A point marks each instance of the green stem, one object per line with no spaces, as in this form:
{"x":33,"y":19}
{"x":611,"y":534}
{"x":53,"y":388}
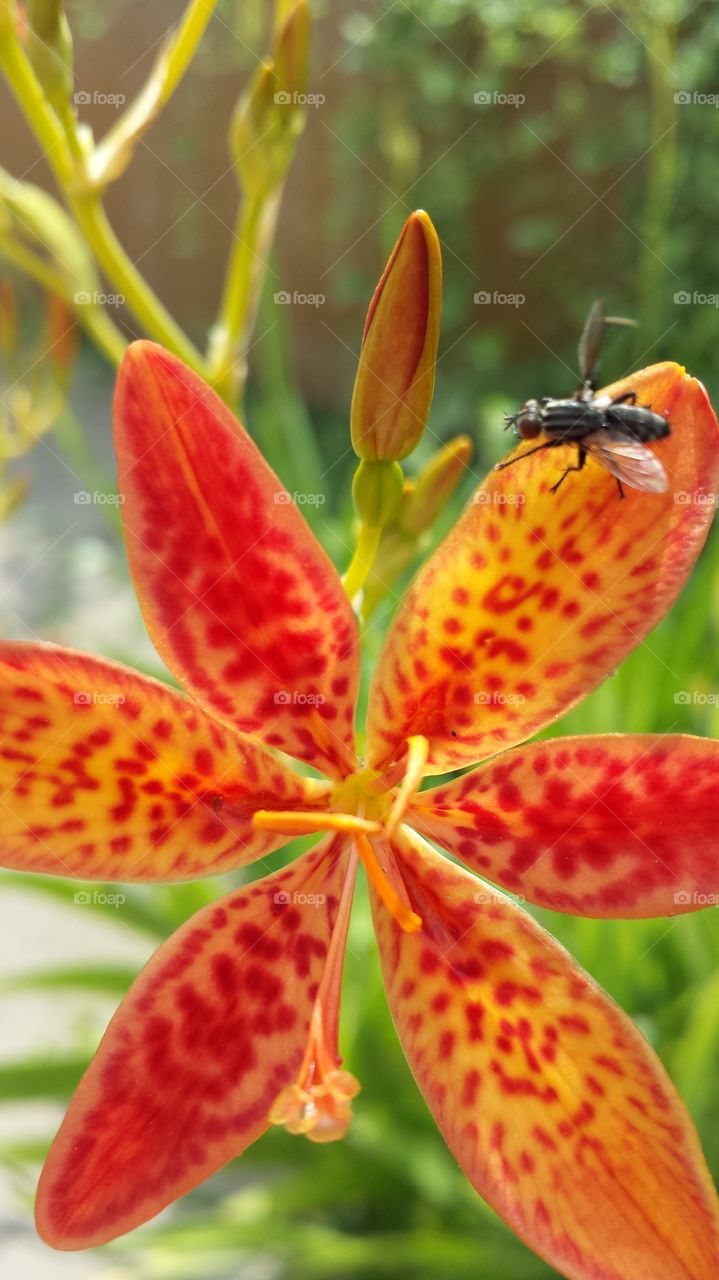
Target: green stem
{"x":87,"y":208}
{"x":96,"y":323}
{"x":253,"y":236}
{"x":118,"y":268}
{"x":362,"y":560}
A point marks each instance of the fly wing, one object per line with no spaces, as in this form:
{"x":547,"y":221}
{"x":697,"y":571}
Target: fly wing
{"x":627,"y":460}
{"x":591,"y":341}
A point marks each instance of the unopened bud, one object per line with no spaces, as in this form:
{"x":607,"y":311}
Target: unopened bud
{"x":377,"y":492}
{"x":395,"y":377}
{"x":269,"y":116}
{"x":48,"y":44}
{"x":434,"y":486}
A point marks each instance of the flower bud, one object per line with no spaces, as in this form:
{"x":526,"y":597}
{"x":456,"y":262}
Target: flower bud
{"x":395,"y":377}
{"x":434,"y":486}
{"x":377,"y":491}
{"x":48,"y":44}
{"x":269,"y":116}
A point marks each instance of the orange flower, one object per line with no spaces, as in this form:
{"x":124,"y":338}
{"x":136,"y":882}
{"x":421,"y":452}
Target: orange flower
{"x":551,"y":1100}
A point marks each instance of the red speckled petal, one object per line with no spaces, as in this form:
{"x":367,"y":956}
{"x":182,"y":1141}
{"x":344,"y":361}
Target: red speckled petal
{"x":210,"y":1033}
{"x":237,"y":594}
{"x":535,"y":597}
{"x":108,"y":775}
{"x":555,"y":1106}
{"x":610,"y":825}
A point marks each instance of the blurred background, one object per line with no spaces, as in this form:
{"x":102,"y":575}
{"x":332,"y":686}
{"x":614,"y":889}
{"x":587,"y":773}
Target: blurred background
{"x":564,"y":151}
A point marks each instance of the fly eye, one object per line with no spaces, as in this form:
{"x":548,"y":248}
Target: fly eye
{"x":529,"y":425}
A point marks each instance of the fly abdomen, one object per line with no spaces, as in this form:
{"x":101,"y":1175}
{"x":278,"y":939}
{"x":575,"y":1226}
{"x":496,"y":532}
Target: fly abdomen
{"x":641,"y":423}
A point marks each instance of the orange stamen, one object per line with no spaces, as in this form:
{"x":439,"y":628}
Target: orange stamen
{"x":406,"y":918}
{"x":417,"y":753}
{"x":298,"y":823}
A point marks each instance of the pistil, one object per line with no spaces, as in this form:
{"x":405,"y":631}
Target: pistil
{"x":318,"y":1103}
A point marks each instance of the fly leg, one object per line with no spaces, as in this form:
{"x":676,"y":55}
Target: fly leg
{"x":581,"y":459}
{"x":548,"y":444}
{"x":629,"y":397}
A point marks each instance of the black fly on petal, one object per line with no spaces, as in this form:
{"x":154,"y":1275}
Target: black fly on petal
{"x":615,"y":432}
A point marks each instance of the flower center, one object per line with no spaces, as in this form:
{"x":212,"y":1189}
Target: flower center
{"x":364,"y":805}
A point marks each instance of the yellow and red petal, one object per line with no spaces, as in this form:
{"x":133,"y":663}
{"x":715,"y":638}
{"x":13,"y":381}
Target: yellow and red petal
{"x":616,"y":825}
{"x":555,"y":1106}
{"x":211,"y":1032}
{"x":535,"y":597}
{"x":108,"y":775}
{"x":238,"y":596}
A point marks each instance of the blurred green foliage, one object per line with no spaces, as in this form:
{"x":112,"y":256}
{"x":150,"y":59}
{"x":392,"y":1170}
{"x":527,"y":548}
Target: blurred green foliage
{"x":517,"y":211}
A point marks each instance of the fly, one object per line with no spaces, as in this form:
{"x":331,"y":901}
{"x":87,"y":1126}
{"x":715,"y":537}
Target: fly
{"x":615,"y":432}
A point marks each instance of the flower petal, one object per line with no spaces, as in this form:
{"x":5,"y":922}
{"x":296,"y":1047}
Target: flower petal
{"x":535,"y":597}
{"x":210,"y":1033}
{"x":239,"y":598}
{"x":108,"y":775}
{"x":553,"y":1103}
{"x":613,"y":825}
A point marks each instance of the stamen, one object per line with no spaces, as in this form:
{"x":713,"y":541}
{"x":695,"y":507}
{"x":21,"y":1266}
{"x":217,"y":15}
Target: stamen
{"x":406,"y":918}
{"x":417,"y":753}
{"x":291,"y":822}
{"x":318,"y":1103}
